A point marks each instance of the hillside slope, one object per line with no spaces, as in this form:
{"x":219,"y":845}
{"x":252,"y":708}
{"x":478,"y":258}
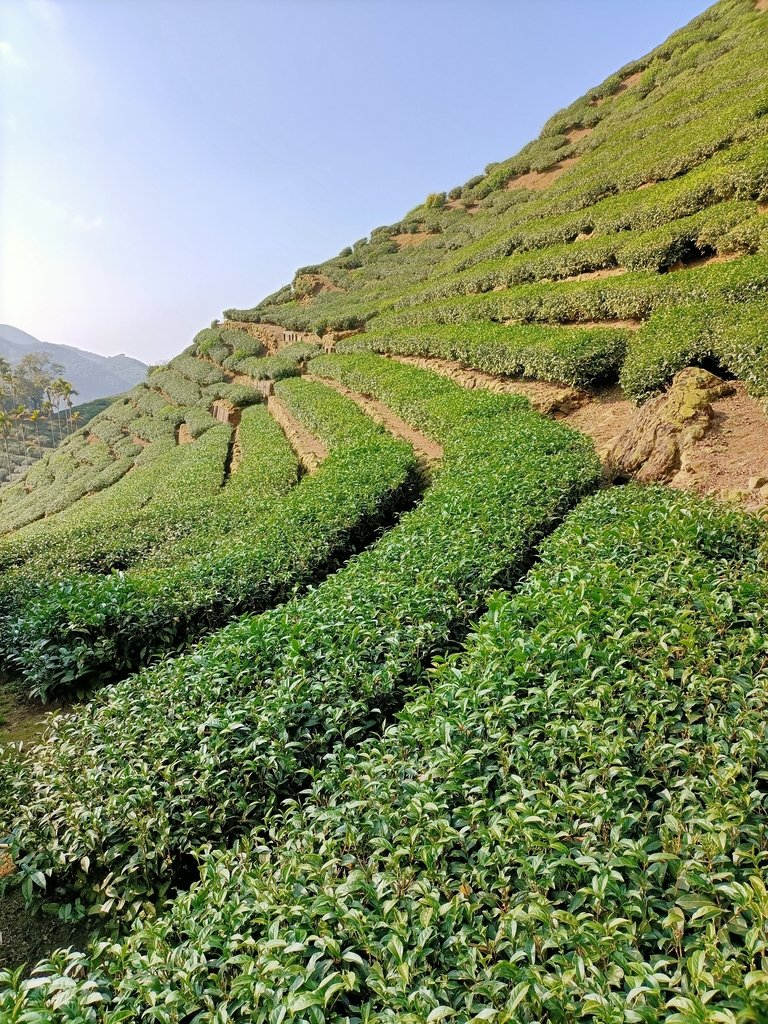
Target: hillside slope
{"x":384,"y":699}
{"x":625,"y":240}
{"x":93,"y":376}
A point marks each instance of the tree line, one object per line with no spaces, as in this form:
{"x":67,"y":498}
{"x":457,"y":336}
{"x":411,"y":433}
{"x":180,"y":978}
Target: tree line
{"x":35,"y":408}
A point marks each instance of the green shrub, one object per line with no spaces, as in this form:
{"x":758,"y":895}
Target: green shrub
{"x":272,"y":694}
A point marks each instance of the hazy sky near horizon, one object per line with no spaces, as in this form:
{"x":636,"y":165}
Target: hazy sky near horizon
{"x":161,"y":160}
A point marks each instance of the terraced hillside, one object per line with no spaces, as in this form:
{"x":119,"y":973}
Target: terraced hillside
{"x":383,"y":698}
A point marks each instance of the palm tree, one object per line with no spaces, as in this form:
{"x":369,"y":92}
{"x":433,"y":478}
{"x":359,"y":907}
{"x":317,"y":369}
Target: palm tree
{"x":20,"y":414}
{"x":5,"y":429}
{"x":34,"y":417}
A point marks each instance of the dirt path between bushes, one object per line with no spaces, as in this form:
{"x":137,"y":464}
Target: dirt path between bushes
{"x":428,"y":450}
{"x":310,"y":450}
{"x":728,"y":462}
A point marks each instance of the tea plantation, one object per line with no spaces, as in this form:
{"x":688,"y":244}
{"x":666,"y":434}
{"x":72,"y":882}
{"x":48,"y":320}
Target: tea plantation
{"x":351,"y":735}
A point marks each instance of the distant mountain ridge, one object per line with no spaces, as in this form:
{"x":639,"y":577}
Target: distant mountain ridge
{"x":93,"y":376}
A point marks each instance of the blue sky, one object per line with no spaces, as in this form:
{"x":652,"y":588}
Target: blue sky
{"x":161,"y":160}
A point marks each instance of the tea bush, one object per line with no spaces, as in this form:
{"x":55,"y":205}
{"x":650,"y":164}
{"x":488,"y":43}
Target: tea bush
{"x":85,"y":626}
{"x":269,"y":696}
{"x":562,"y":822}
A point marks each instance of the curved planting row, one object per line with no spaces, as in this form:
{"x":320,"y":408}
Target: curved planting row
{"x":566,"y":822}
{"x":577,"y":356}
{"x":176,"y":493}
{"x":199,"y":748}
{"x":85,"y":626}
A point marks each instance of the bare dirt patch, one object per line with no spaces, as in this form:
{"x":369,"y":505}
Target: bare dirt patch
{"x":224,"y":412}
{"x":184,"y":434}
{"x":704,"y":435}
{"x":270,"y":334}
{"x":140,"y":441}
{"x":424,"y":447}
{"x":763,"y":207}
{"x":761,"y":5}
{"x":594,"y":275}
{"x":309,"y":449}
{"x":719,"y":434}
{"x":733,"y":457}
{"x":264,"y":387}
{"x":629,"y":81}
{"x":703,"y":261}
{"x":23,"y":719}
{"x":308,"y":286}
{"x":627,"y":325}
{"x":539,"y":180}
{"x":577,"y":134}
{"x":234,"y":454}
{"x":408,"y":241}
{"x":29,"y":936}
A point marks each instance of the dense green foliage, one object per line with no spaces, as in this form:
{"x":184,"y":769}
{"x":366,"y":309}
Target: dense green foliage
{"x":658,"y":173}
{"x":562,"y":824}
{"x":244,"y":555}
{"x":427,"y":760}
{"x":208,"y":741}
{"x":577,"y":357}
{"x":142,"y":427}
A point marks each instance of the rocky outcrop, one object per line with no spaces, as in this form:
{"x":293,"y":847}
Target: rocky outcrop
{"x":658,"y":443}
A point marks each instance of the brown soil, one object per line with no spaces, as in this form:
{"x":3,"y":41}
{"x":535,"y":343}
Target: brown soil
{"x":316,"y":284}
{"x":22,"y":719}
{"x":729,"y":460}
{"x":234,"y":454}
{"x":27,"y":937}
{"x":224,"y":412}
{"x":603,"y":416}
{"x":407,"y":241}
{"x":594,"y":275}
{"x":577,"y":134}
{"x":703,"y":261}
{"x":646,"y":184}
{"x":140,"y":441}
{"x":270,"y":334}
{"x":428,"y":450}
{"x":761,"y":5}
{"x":627,"y":325}
{"x":733,"y":454}
{"x":538,"y":180}
{"x":310,"y":450}
{"x":264,"y":387}
{"x":184,"y":434}
{"x":763,"y":207}
{"x":237,"y":452}
{"x":629,"y":81}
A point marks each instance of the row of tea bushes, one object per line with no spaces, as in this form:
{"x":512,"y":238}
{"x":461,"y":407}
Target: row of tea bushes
{"x":733,"y":335}
{"x":719,"y":229}
{"x":208,"y":742}
{"x":579,"y":357}
{"x":567,"y":821}
{"x":87,"y":627}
